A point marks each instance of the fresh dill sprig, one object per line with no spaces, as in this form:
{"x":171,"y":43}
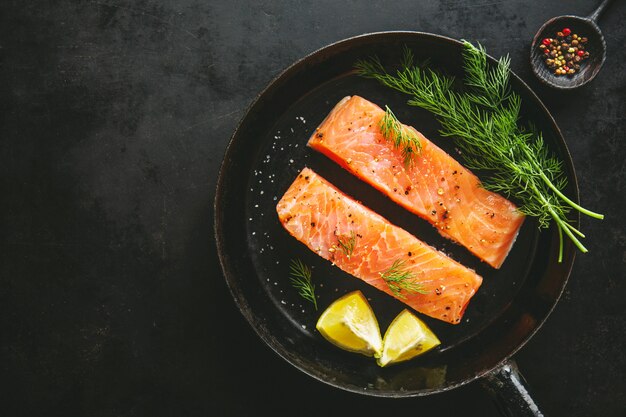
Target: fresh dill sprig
{"x":347,"y":244}
{"x":492,"y":85}
{"x":484,"y":120}
{"x":399,"y":279}
{"x":404,"y":139}
{"x":301,"y":280}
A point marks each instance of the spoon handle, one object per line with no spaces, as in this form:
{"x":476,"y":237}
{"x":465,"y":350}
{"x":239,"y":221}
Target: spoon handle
{"x":596,"y":13}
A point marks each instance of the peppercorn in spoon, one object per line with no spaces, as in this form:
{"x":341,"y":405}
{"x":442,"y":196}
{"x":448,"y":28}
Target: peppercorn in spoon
{"x":568,"y":51}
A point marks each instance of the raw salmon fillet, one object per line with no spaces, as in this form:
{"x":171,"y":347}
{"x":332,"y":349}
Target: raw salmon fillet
{"x":320,"y":216}
{"x":435,"y":187}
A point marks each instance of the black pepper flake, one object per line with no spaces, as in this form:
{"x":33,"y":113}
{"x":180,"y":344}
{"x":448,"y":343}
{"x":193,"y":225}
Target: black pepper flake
{"x":454,"y":172}
{"x":349,"y":214}
{"x":306,"y":178}
{"x":443,"y":179}
{"x":437,"y":291}
{"x":492,"y":215}
{"x":433,"y":212}
{"x":395,"y":190}
{"x":407,"y":190}
{"x":456,"y":187}
{"x":312,"y":224}
{"x":445,"y":215}
{"x":320,"y":135}
{"x":447,"y":307}
{"x":410,"y":254}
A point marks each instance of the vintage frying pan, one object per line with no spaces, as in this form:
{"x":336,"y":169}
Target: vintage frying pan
{"x":265,"y":154}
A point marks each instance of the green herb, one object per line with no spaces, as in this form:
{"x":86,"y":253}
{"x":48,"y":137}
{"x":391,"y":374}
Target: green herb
{"x":484,"y":120}
{"x":398,"y":279}
{"x":301,"y":280}
{"x":402,"y":138}
{"x":347,"y":244}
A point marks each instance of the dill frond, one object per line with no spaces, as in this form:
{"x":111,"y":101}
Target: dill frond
{"x":301,"y":281}
{"x":484,"y":120}
{"x":402,"y":138}
{"x":347,"y":244}
{"x":400,"y":279}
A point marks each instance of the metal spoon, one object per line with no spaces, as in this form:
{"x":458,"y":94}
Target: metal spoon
{"x":596,"y":46}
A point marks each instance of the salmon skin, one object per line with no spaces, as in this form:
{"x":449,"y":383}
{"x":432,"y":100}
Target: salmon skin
{"x":435,"y":186}
{"x":327,"y":221}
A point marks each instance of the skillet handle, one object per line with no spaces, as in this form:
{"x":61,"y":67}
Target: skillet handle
{"x":510,"y":392}
{"x":595,"y":15}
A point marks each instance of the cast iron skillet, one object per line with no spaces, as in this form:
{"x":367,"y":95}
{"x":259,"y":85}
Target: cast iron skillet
{"x":264,"y":156}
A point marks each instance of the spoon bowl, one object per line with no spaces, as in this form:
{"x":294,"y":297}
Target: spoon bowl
{"x":589,"y":68}
{"x":596,"y":46}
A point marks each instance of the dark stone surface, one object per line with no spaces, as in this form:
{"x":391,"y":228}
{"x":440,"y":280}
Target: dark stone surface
{"x":114,"y":119}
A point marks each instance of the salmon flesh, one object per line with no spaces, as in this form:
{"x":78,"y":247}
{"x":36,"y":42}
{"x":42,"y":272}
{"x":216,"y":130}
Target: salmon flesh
{"x":366,"y":245}
{"x":435,"y":186}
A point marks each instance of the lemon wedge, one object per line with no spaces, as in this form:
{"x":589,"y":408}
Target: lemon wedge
{"x":350,"y":324}
{"x":406,"y":338}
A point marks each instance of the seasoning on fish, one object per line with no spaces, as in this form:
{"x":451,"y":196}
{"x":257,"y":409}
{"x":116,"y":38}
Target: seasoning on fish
{"x":434,"y":186}
{"x":322,"y":217}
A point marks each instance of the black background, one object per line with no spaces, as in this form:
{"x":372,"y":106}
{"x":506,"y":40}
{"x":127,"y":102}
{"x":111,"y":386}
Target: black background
{"x":114,"y":119}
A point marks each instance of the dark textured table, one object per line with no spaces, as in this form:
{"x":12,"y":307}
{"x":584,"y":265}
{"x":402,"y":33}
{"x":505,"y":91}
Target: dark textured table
{"x":114,"y":119}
